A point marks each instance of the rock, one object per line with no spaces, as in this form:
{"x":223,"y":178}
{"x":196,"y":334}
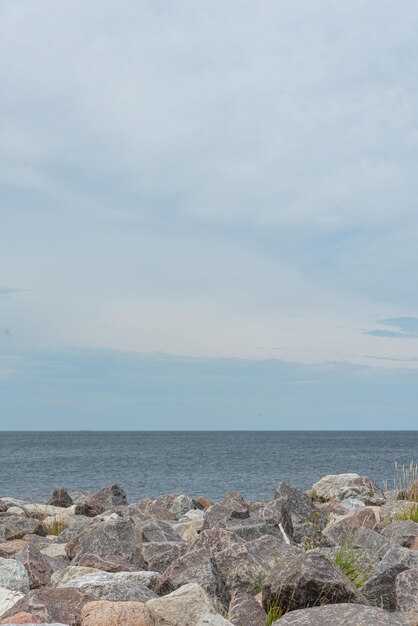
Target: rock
{"x":12,"y":547}
{"x":188,"y":531}
{"x":251,"y":528}
{"x":21,"y":618}
{"x":105,"y":499}
{"x":380,"y":589}
{"x":158,"y":556}
{"x":61,"y":498}
{"x":36,"y":565}
{"x":105,"y":613}
{"x":233,"y":506}
{"x":8,"y":599}
{"x":197,"y":566}
{"x":216,"y":540}
{"x":184,"y":607}
{"x":122,"y":586}
{"x":203,"y":503}
{"x":107,"y":540}
{"x":213,"y":620}
{"x":391,"y":511}
{"x":3,"y":506}
{"x":109,"y":564}
{"x":306,"y":521}
{"x":341,"y":487}
{"x":15,"y":527}
{"x":158,"y":531}
{"x":339,"y":614}
{"x":403,"y":533}
{"x":344,"y":530}
{"x":13,"y":576}
{"x":53,"y":605}
{"x":302,"y":580}
{"x":181,"y":505}
{"x":244,"y":610}
{"x":406,"y":586}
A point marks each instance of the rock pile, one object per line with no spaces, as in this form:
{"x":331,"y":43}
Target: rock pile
{"x":337,"y":554}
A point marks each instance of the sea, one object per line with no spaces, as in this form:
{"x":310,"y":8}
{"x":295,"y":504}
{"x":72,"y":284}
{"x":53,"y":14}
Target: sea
{"x":149,"y":464}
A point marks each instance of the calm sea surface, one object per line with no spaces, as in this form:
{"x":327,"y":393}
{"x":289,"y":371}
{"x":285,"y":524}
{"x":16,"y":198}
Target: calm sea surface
{"x":148,"y":464}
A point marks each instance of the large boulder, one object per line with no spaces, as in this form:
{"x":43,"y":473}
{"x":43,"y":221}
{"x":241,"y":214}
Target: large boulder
{"x":22,"y":618}
{"x":380,"y":590}
{"x":341,"y":614}
{"x":159,"y":556}
{"x":8,"y":599}
{"x":301,"y":519}
{"x":213,"y":620}
{"x":105,"y":613}
{"x":184,"y":607}
{"x":197,"y":566}
{"x":406,"y":585}
{"x":157,"y":530}
{"x":61,"y":498}
{"x":16,"y":527}
{"x":244,"y":610}
{"x":37,"y":566}
{"x":53,"y":605}
{"x":104,"y":500}
{"x":303,"y":580}
{"x":13,"y":576}
{"x":339,"y":487}
{"x":119,"y":587}
{"x":115,"y":538}
{"x":403,"y":533}
{"x":181,"y":505}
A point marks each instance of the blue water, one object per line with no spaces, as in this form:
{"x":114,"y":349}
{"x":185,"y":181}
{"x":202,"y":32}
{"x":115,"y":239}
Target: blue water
{"x":148,"y":464}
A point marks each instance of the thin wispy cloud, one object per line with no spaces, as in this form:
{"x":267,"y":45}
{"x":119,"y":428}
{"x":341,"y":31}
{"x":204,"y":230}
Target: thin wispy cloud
{"x":405,"y":328}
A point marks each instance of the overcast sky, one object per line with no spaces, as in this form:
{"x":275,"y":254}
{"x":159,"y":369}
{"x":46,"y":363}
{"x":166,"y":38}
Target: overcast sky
{"x":216,"y":199}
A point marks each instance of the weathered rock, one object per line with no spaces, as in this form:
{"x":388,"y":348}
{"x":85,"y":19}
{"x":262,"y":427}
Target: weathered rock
{"x":251,"y":528}
{"x":213,"y":620}
{"x":184,"y":607}
{"x":13,"y":576}
{"x":105,"y":613}
{"x":406,"y":586}
{"x":119,"y":587}
{"x":233,"y":506}
{"x":403,"y":533}
{"x":197,"y":566}
{"x":8,"y":599}
{"x":146,"y":509}
{"x":343,"y":530}
{"x":106,"y":540}
{"x":15,"y":527}
{"x":21,"y":618}
{"x":109,"y":564}
{"x":306,"y":521}
{"x":61,"y":498}
{"x":244,"y":610}
{"x":181,"y":505}
{"x":37,"y":566}
{"x":158,"y":531}
{"x":380,"y":589}
{"x":341,"y":487}
{"x":339,"y":614}
{"x":307,"y":580}
{"x":159,"y":556}
{"x":275,"y":513}
{"x":202,"y":503}
{"x":105,"y":499}
{"x":53,"y":605}
{"x":3,"y":506}
{"x":216,"y":540}
{"x":12,"y":547}
{"x":188,"y":531}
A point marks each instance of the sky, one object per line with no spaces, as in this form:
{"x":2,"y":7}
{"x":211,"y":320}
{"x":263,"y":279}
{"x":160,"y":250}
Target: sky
{"x":208,"y":214}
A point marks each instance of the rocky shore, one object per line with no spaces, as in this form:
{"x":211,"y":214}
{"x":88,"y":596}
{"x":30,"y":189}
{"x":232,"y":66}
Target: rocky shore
{"x":343,"y":552}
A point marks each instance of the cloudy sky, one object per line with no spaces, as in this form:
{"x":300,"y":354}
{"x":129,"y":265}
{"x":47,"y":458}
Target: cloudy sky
{"x":208,"y":214}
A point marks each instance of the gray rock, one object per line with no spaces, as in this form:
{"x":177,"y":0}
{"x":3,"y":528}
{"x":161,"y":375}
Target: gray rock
{"x":213,"y":620}
{"x":197,"y":566}
{"x":251,"y":528}
{"x":403,"y":533}
{"x":37,"y":566}
{"x":406,"y":586}
{"x":118,"y":587}
{"x":106,"y":499}
{"x":341,"y":614}
{"x":181,"y":505}
{"x":13,"y":576}
{"x":157,"y":530}
{"x":303,"y":580}
{"x":118,"y":538}
{"x":216,"y":540}
{"x":15,"y":527}
{"x":380,"y":589}
{"x":244,"y":610}
{"x":341,"y":487}
{"x":184,"y":607}
{"x":158,"y":556}
{"x":61,"y":498}
{"x":53,"y":605}
{"x":306,"y":521}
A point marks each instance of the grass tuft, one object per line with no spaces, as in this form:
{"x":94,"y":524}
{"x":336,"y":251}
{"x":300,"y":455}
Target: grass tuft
{"x":347,"y":560}
{"x":408,"y":513}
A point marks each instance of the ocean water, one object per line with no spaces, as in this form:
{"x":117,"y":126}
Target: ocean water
{"x":148,"y":464}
